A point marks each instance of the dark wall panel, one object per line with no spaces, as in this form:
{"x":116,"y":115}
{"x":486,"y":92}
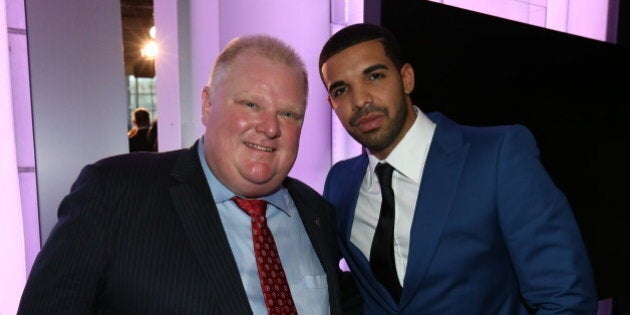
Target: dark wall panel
{"x":572,"y":92}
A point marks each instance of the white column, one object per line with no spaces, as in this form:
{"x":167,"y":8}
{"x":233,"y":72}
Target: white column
{"x":344,"y":13}
{"x":78,"y":92}
{"x":12,"y":261}
{"x":167,"y":75}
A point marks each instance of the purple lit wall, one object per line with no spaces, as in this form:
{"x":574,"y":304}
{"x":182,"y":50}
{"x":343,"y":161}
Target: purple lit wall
{"x":23,"y":127}
{"x":585,"y":18}
{"x":12,"y":260}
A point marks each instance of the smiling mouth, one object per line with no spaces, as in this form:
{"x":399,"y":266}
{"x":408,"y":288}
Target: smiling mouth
{"x":259,"y":147}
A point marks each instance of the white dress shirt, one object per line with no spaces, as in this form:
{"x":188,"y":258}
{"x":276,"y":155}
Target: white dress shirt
{"x":408,"y":159}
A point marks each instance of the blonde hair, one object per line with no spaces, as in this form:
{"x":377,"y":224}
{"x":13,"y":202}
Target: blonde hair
{"x":260,"y":44}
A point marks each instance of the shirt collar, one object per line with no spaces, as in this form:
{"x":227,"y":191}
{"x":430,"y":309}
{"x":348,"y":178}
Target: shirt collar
{"x":221,"y":193}
{"x":414,"y":145}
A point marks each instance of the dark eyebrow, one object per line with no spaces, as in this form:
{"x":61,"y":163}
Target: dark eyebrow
{"x":367,"y":70}
{"x":335,"y":85}
{"x":374,"y":68}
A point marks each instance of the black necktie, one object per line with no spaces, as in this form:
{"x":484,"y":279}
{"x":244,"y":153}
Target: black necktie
{"x":382,"y":252}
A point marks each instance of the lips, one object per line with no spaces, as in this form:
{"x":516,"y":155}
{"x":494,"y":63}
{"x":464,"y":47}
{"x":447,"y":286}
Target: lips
{"x":259,"y":147}
{"x":369,"y":122}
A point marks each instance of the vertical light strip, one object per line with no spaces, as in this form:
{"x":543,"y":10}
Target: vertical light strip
{"x":168,"y":81}
{"x":344,"y":13}
{"x":12,"y":261}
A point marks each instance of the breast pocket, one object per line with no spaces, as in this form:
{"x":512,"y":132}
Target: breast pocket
{"x":315,"y":282}
{"x":314,"y":296}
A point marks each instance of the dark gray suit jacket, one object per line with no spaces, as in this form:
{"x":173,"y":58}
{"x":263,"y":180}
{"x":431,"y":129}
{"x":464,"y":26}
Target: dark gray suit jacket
{"x":140,"y":234}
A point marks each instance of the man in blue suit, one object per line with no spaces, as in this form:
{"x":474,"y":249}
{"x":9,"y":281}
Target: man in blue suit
{"x":463,"y":220}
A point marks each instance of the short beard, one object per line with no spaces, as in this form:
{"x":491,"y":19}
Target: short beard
{"x":379,"y":140}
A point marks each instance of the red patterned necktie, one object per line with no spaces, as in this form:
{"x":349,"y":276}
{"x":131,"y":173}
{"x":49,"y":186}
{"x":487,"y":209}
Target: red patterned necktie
{"x":273,"y":281}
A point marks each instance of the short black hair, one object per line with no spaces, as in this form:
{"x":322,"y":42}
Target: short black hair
{"x":142,"y":117}
{"x":359,"y":33}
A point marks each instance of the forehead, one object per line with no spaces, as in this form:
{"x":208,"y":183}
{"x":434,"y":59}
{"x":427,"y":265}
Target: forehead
{"x":248,"y":60}
{"x":254,"y":74}
{"x":249,"y":65}
{"x":356,"y":58}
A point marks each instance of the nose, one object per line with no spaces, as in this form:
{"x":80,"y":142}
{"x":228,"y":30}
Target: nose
{"x":269,"y":125}
{"x":361,"y":97}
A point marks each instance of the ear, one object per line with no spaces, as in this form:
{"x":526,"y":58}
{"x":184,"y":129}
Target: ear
{"x":206,"y":104}
{"x":408,"y":79}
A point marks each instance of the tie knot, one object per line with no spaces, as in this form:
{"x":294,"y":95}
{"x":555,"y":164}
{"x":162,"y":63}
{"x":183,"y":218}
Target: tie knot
{"x":384,"y":173}
{"x":253,"y":207}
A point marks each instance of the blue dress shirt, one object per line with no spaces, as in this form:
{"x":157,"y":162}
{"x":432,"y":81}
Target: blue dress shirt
{"x":306,"y":277}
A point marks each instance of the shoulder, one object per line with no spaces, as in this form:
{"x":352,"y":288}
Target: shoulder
{"x":350,"y":165}
{"x":139,"y":166}
{"x":139,"y":161}
{"x":297,"y":187}
{"x":303,"y":193}
{"x":502,"y":137}
{"x":451,"y":132}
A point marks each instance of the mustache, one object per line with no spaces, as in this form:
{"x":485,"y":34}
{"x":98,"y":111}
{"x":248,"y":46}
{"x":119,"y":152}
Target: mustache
{"x":364,"y":111}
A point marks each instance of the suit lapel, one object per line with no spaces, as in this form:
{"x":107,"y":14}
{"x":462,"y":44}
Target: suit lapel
{"x":199,"y":216}
{"x":348,"y":202}
{"x":349,"y":194}
{"x":358,"y":263}
{"x":310,"y":219}
{"x":441,"y":175}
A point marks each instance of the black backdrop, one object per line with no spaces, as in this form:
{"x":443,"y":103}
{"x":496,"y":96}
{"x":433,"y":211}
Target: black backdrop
{"x":572,"y":92}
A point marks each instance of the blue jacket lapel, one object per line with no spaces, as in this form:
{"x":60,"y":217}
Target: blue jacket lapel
{"x":347,"y":181}
{"x":441,"y":175}
{"x":342,"y":190}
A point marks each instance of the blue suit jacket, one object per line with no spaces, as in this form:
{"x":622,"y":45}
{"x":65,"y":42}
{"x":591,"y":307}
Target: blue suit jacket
{"x":491,"y":233}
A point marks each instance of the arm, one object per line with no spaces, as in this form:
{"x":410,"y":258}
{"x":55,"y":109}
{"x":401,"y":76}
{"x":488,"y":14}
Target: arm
{"x":541,"y":234}
{"x":68,"y":271}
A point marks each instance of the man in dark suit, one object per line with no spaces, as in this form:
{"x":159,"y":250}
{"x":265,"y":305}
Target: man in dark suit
{"x":164,"y":233}
{"x":437,"y":217}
